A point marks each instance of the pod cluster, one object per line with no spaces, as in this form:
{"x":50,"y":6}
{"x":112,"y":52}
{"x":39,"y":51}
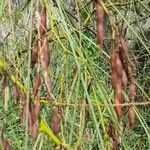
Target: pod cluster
{"x":122,"y":78}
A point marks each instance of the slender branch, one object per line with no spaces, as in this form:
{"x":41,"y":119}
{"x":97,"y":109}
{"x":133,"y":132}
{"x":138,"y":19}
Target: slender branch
{"x":97,"y":105}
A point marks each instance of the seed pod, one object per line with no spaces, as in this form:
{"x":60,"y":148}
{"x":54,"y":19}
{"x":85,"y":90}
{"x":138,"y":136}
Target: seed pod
{"x":6,"y":145}
{"x":113,"y":69}
{"x":114,"y":79}
{"x":131,"y":117}
{"x":124,"y":79}
{"x":55,"y":122}
{"x":130,"y":74}
{"x":42,"y":27}
{"x":34,"y":131}
{"x":118,"y":99}
{"x":36,"y":109}
{"x":35,"y":53}
{"x":118,"y":66}
{"x":46,"y":55}
{"x":99,"y":23}
{"x":15,"y":93}
{"x":112,"y":134}
{"x":132,"y":91}
{"x":36,"y":84}
{"x":113,"y":59}
{"x":118,"y":109}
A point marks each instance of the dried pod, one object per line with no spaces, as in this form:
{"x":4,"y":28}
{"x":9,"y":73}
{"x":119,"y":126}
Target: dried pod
{"x":124,"y":79}
{"x":130,"y":74}
{"x":113,"y":59}
{"x":15,"y":92}
{"x":55,"y":122}
{"x":112,"y":134}
{"x":131,"y":117}
{"x":42,"y":27}
{"x":99,"y":23}
{"x":114,"y":79}
{"x":132,"y":91}
{"x":118,"y":100}
{"x":31,"y":110}
{"x":36,"y":109}
{"x":36,"y":84}
{"x":6,"y":145}
{"x":34,"y":55}
{"x":113,"y":69}
{"x":115,"y":145}
{"x":118,"y":66}
{"x":46,"y":55}
{"x":34,"y":131}
{"x":118,"y":109}
{"x":30,"y":119}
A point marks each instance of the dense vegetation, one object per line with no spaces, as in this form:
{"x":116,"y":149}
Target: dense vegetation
{"x":56,"y":74}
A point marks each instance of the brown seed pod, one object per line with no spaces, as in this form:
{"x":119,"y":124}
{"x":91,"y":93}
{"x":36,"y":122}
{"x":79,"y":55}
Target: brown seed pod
{"x":118,"y":109}
{"x":111,"y":130}
{"x":42,"y":27}
{"x":113,"y":69}
{"x":112,"y":134}
{"x":114,"y":79}
{"x":30,"y":119}
{"x":113,"y":59}
{"x":132,"y":91}
{"x":118,"y":100}
{"x":118,"y":66}
{"x":36,"y":109}
{"x":36,"y":84}
{"x":131,"y":117}
{"x":124,"y":79}
{"x":99,"y":23}
{"x":35,"y":53}
{"x":46,"y":55}
{"x":55,"y":122}
{"x":15,"y":93}
{"x":6,"y":145}
{"x":34,"y":131}
{"x":130,"y":74}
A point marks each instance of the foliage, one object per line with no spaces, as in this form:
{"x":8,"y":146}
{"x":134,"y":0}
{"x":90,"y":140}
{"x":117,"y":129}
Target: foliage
{"x":79,"y":72}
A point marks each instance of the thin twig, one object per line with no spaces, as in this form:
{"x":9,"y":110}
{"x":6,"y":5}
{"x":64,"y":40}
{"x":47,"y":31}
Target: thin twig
{"x":98,"y":105}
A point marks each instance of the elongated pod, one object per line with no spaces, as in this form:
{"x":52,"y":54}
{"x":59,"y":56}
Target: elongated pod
{"x":36,"y":84}
{"x":113,"y":69}
{"x":131,"y":117}
{"x":124,"y":79}
{"x":99,"y":23}
{"x":35,"y":53}
{"x":42,"y":27}
{"x":118,"y":100}
{"x":55,"y":122}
